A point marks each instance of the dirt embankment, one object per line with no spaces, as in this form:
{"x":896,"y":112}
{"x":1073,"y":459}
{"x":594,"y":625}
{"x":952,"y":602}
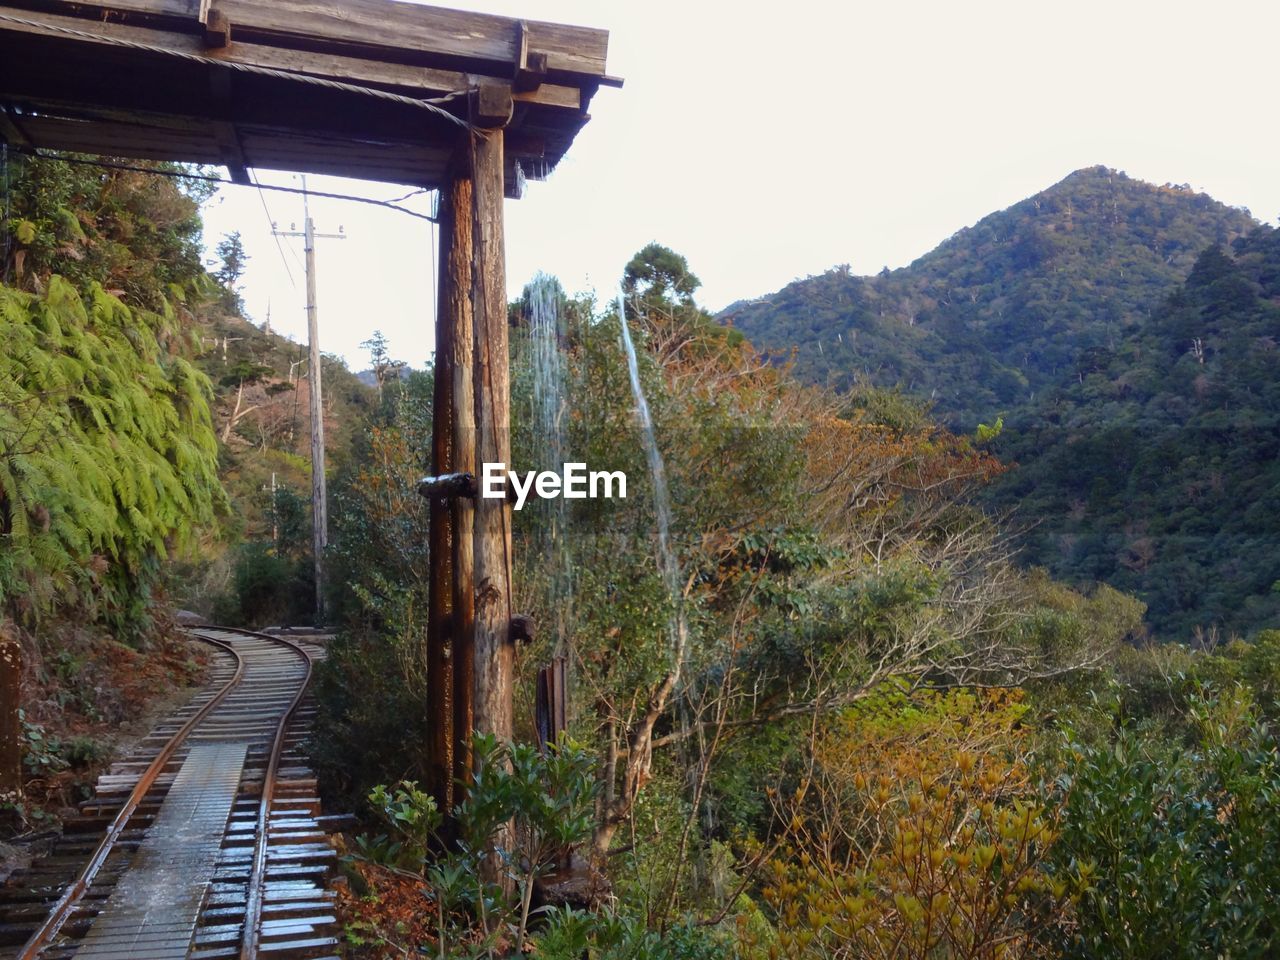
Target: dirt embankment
{"x":86,"y":699}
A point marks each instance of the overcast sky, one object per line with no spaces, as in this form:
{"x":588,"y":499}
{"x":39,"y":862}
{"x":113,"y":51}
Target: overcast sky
{"x":767,"y":142}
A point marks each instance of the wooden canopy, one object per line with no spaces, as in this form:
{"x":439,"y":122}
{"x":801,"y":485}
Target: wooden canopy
{"x":370,"y":89}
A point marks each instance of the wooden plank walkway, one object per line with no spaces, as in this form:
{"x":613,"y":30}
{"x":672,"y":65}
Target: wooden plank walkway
{"x":152,"y":912}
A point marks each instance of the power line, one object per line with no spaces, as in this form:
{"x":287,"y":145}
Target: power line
{"x":275,"y":236}
{"x":178,"y":175}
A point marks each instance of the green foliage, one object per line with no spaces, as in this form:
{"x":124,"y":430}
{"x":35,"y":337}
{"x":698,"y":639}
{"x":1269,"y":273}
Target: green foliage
{"x":659,"y":276}
{"x":107,"y":456}
{"x":373,"y":712}
{"x":575,"y":935}
{"x":231,"y":264}
{"x":523,"y":812}
{"x":1157,"y":467}
{"x":1139,"y":425}
{"x":1181,"y":845}
{"x":413,"y":817}
{"x":45,"y":754}
{"x":135,"y":234}
{"x":267,"y":588}
{"x":986,"y":433}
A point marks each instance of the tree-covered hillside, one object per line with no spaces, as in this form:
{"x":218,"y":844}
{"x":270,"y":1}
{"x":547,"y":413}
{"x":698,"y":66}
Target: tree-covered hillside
{"x":108,"y":460}
{"x":261,"y":411}
{"x":1003,"y":308}
{"x":1156,"y":467}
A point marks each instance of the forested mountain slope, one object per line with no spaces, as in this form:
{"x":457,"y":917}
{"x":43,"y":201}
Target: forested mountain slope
{"x":1003,"y":308}
{"x":1156,"y":467}
{"x":261,"y":410}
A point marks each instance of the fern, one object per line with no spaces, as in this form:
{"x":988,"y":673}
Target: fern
{"x":104,"y":438}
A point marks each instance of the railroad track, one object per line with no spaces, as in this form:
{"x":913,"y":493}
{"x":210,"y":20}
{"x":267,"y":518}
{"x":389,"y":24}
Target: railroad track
{"x":206,"y":843}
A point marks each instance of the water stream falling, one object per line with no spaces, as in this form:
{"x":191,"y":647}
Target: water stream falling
{"x":667,"y":564}
{"x":550,"y":404}
{"x":677,"y":625}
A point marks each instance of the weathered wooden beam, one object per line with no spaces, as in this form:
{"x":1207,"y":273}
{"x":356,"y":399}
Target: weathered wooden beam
{"x":121,"y":140}
{"x":224,"y":131}
{"x":270,"y":123}
{"x":406,"y":78}
{"x":494,"y":652}
{"x":217,"y":30}
{"x":232,"y":156}
{"x":551,"y":715}
{"x":530,"y":65}
{"x":445,"y":36}
{"x":492,"y":105}
{"x":456,"y":222}
{"x":432,"y":31}
{"x":174,"y":139}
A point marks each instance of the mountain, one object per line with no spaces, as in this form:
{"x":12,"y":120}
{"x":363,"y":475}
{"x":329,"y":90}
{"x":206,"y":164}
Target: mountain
{"x":1156,"y":466}
{"x":1004,"y":308}
{"x":1129,"y":337}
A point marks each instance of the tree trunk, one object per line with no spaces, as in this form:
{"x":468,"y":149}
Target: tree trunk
{"x":636,"y":769}
{"x":235,"y":414}
{"x":10,"y":725}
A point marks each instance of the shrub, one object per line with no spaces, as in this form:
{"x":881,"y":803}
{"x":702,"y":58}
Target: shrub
{"x":920,"y":833}
{"x":1182,"y":843}
{"x":266,"y":588}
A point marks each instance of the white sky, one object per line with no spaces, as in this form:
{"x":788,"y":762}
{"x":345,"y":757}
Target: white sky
{"x":767,"y":142}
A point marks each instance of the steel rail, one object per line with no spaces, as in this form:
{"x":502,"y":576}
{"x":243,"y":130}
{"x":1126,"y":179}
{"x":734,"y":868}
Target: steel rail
{"x":73,"y":894}
{"x":252,"y":932}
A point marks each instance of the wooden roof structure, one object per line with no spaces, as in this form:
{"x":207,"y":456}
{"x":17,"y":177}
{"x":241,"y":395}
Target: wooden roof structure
{"x":371,"y":89}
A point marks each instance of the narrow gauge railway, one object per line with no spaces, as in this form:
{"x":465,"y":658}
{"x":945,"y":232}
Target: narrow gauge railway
{"x":207,"y":842}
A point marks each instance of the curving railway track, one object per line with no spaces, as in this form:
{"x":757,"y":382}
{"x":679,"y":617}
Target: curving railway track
{"x":206,"y":843}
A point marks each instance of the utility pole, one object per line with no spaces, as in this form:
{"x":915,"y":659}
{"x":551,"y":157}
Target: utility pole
{"x":319,"y":499}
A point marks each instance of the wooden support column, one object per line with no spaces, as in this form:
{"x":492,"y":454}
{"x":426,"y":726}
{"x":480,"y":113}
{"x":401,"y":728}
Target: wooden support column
{"x":494,"y":650}
{"x":458,"y":252}
{"x":441,"y":535}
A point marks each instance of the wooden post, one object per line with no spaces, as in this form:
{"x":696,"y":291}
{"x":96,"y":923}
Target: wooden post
{"x":494,"y":650}
{"x":440,"y":633}
{"x":10,"y":726}
{"x":457,"y":267}
{"x":319,"y":500}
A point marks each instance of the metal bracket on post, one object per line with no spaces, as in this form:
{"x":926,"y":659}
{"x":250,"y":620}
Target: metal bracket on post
{"x":448,"y":486}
